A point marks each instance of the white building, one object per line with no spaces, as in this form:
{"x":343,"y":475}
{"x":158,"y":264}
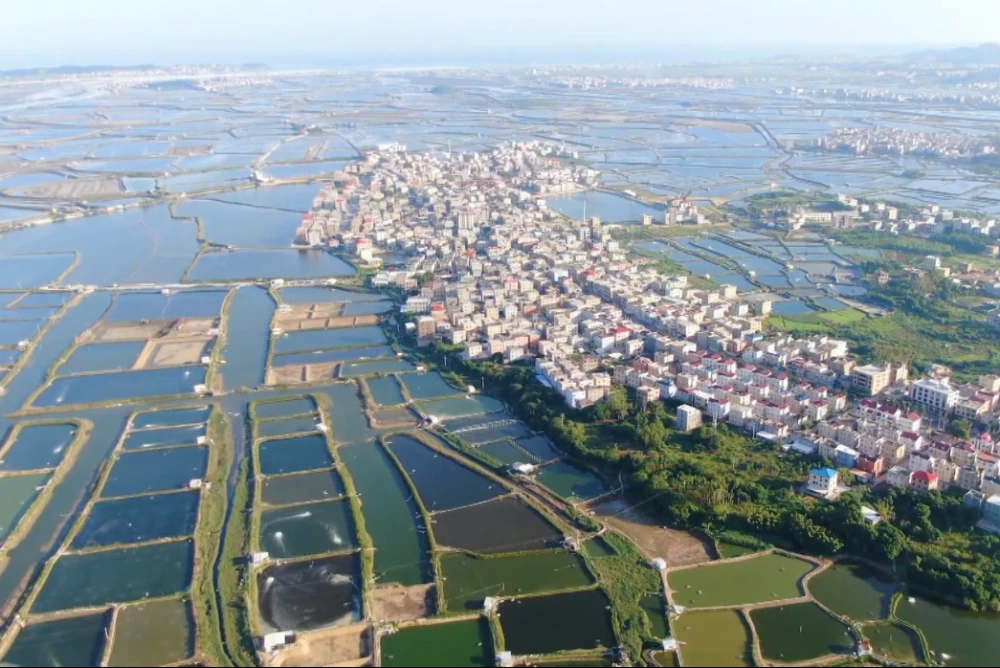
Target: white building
{"x":688,"y":418}
{"x":935,"y":394}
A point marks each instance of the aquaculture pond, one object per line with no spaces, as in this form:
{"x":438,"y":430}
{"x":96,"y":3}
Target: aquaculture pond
{"x":539,"y":447}
{"x":319,"y":294}
{"x":504,"y":525}
{"x":118,"y":386}
{"x":32,"y":271}
{"x":354,"y":369}
{"x":248,"y":333}
{"x":545,"y":624}
{"x":312,"y":339}
{"x":155,"y":470}
{"x":799,"y":632}
{"x":427,"y":385}
{"x":960,"y":637}
{"x":609,"y":208}
{"x":571,"y":482}
{"x":117,"y":356}
{"x":655,"y":607}
{"x":503,"y":452}
{"x":134,"y":306}
{"x":286,"y":426}
{"x":266,"y":410}
{"x":116,"y":576}
{"x":469,"y":579}
{"x":298,"y":453}
{"x":308,"y":529}
{"x":713,"y":638}
{"x":71,"y":641}
{"x":14,"y":331}
{"x":894,"y":642}
{"x":256,"y":264}
{"x":155,"y":438}
{"x":172,"y":417}
{"x":37,"y":446}
{"x":156,"y":633}
{"x":441,"y":482}
{"x":301,"y":487}
{"x":311,"y":594}
{"x":465,"y":643}
{"x":334,"y":355}
{"x":769,"y":577}
{"x":16,"y":496}
{"x":139,"y":519}
{"x":597,"y":547}
{"x":385,"y":391}
{"x":392,"y":518}
{"x":459,"y":406}
{"x":854,"y":590}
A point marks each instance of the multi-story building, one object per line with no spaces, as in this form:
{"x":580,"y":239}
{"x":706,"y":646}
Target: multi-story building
{"x":688,"y":418}
{"x":936,"y":394}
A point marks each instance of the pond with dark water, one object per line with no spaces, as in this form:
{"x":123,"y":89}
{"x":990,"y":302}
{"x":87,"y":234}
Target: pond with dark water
{"x":385,"y":391}
{"x":441,"y":482}
{"x":503,"y":525}
{"x":139,"y":519}
{"x":311,"y":594}
{"x":465,"y":643}
{"x":285,"y":407}
{"x":546,"y":624}
{"x":155,"y":470}
{"x":74,"y":641}
{"x":286,"y":426}
{"x":156,"y":438}
{"x":39,"y":446}
{"x":171,"y":417}
{"x":301,"y":487}
{"x":298,"y":453}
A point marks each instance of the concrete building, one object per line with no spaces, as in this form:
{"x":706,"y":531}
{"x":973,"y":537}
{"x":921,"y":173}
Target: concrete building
{"x":688,"y":418}
{"x":822,"y":481}
{"x":871,"y":378}
{"x":935,"y":394}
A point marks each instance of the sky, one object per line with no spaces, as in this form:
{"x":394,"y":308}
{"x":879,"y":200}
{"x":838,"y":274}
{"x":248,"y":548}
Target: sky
{"x":86,"y":32}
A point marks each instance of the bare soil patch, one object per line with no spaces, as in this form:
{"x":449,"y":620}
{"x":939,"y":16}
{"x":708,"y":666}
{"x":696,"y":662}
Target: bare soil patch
{"x":396,"y":603}
{"x":77,"y":189}
{"x":296,"y":374}
{"x":678,"y":548}
{"x":346,"y":645}
{"x":178,"y":353}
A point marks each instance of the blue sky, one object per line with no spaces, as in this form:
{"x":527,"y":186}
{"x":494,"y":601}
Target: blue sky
{"x":49,"y":32}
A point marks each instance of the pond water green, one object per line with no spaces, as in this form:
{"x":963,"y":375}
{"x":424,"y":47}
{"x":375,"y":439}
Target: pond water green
{"x":155,"y":438}
{"x":503,"y":452}
{"x":539,"y":447}
{"x":769,"y":577}
{"x":16,"y":495}
{"x":392,"y":518}
{"x":545,"y":624}
{"x":139,"y":519}
{"x":308,"y":529}
{"x":894,"y":642}
{"x":298,"y":453}
{"x":731,"y":550}
{"x":469,"y":579}
{"x":116,"y":576}
{"x":967,"y":638}
{"x":459,"y":406}
{"x":301,"y":487}
{"x":153,"y":634}
{"x":74,"y":641}
{"x":385,"y":391}
{"x":465,"y":643}
{"x":855,"y":590}
{"x":116,"y":356}
{"x":503,"y":525}
{"x":713,"y":638}
{"x":39,"y":446}
{"x":571,"y":482}
{"x":427,"y":386}
{"x":441,"y":482}
{"x":171,"y":417}
{"x":598,"y":547}
{"x":655,"y":607}
{"x":155,"y":470}
{"x":799,"y":632}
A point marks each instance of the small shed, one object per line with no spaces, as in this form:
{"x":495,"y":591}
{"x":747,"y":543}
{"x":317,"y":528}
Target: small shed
{"x":659,"y":563}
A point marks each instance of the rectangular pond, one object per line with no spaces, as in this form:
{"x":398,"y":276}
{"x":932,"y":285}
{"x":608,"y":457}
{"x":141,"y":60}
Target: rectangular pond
{"x":313,"y":339}
{"x":117,"y":356}
{"x":427,"y":386}
{"x":854,"y":590}
{"x":155,"y":470}
{"x":504,"y":525}
{"x":265,"y":410}
{"x":460,"y":406}
{"x":155,"y":438}
{"x":713,"y":638}
{"x":16,"y":496}
{"x":37,"y":446}
{"x":171,"y":417}
{"x":139,"y":519}
{"x":308,"y":529}
{"x":392,"y":518}
{"x":469,"y":579}
{"x":132,"y":306}
{"x":32,"y":271}
{"x":286,"y":426}
{"x":769,"y":577}
{"x":385,"y":391}
{"x":119,"y":386}
{"x":117,"y":576}
{"x":267,"y":264}
{"x":14,"y":331}
{"x":609,"y":208}
{"x":545,"y":624}
{"x":156,"y":633}
{"x":801,"y":632}
{"x":301,"y":487}
{"x":72,"y":641}
{"x":298,"y":453}
{"x":335,"y":355}
{"x":465,"y":643}
{"x":441,"y":482}
{"x":355,"y":369}
{"x":571,"y":482}
{"x":311,"y":594}
{"x":968,"y":638}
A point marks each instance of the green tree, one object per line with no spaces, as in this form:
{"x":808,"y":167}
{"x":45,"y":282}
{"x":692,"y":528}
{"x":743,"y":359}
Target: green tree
{"x":618,"y":403}
{"x":960,"y":428}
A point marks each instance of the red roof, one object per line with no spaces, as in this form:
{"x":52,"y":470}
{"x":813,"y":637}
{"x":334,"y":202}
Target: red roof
{"x":925,"y":475}
{"x":621,"y":330}
{"x":913,"y":416}
{"x":985,"y":437}
{"x":910,"y":436}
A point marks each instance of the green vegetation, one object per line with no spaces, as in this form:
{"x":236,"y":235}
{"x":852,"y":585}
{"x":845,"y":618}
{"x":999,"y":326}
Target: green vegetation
{"x":626,"y":578}
{"x":769,"y":577}
{"x":761,"y":205}
{"x":713,"y":638}
{"x":465,"y":643}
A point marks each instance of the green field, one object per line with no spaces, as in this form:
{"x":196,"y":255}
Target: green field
{"x":469,"y":579}
{"x":713,"y":638}
{"x":730,"y":550}
{"x":769,"y":577}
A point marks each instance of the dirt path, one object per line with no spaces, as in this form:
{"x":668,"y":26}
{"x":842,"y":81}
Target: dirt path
{"x":678,"y":548}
